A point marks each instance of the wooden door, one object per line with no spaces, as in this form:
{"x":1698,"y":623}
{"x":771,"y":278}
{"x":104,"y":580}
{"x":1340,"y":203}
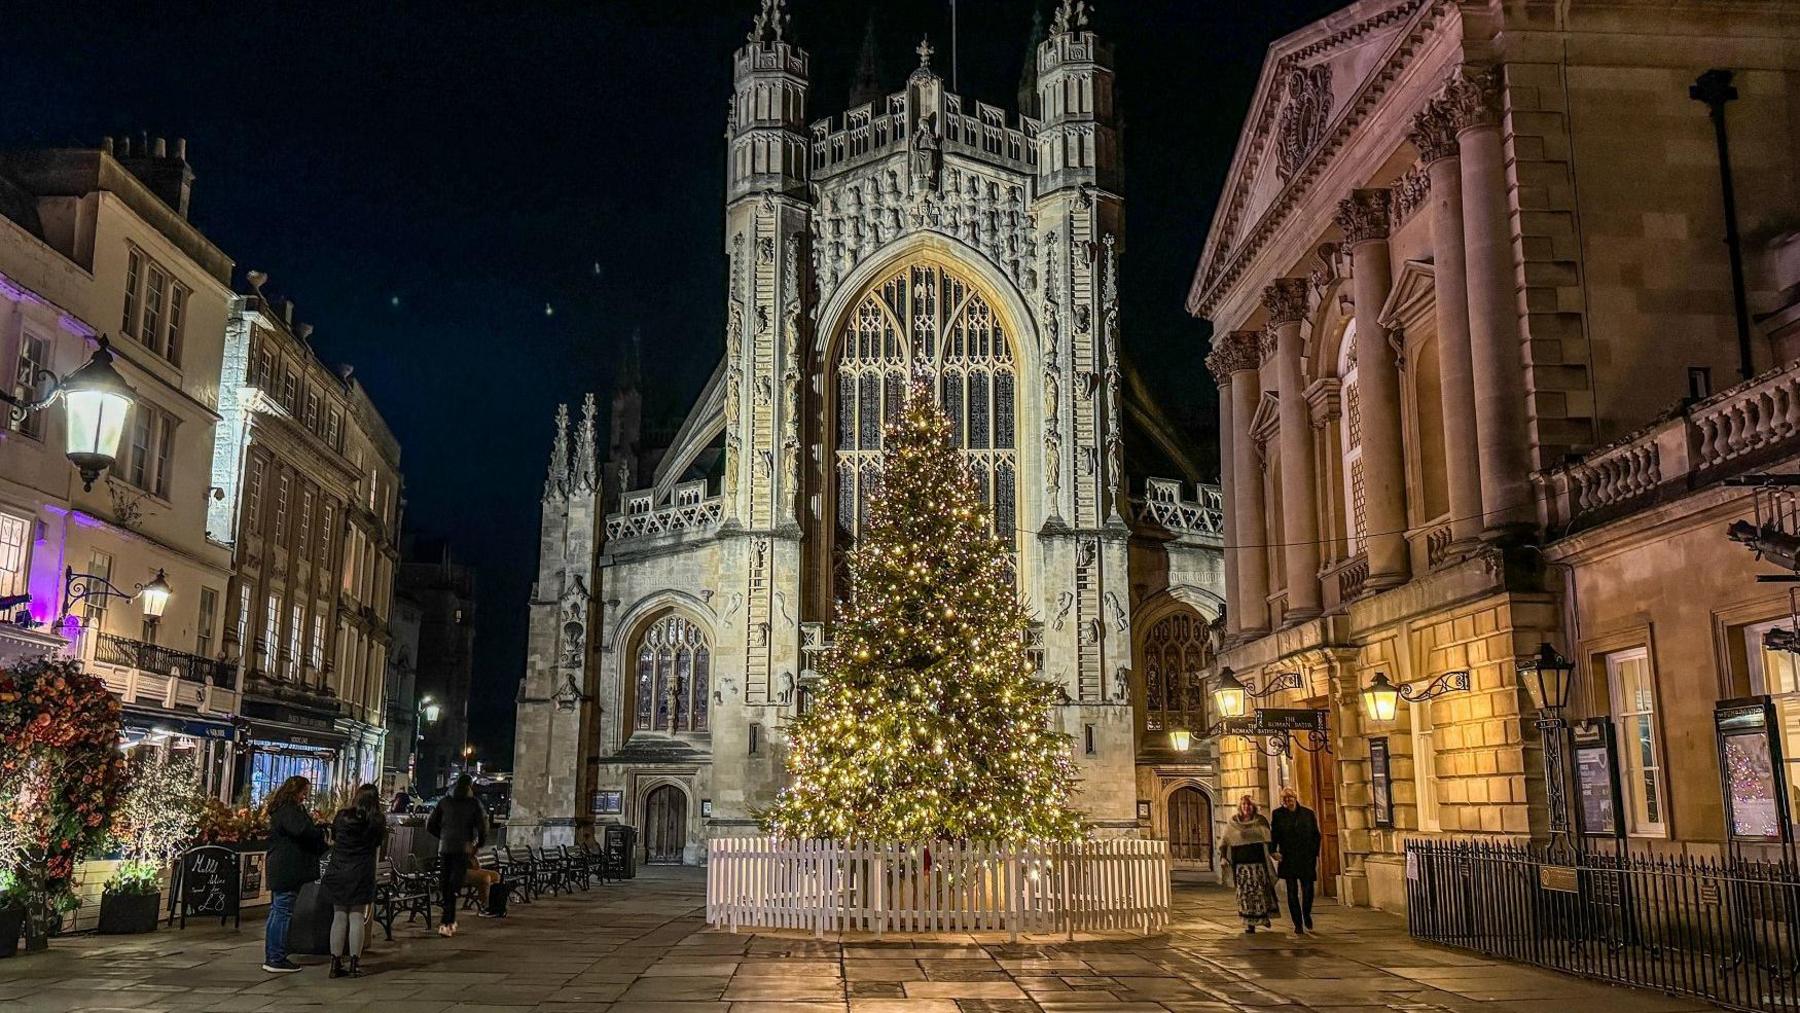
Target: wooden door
{"x":665,"y":826}
{"x":1322,"y":799}
{"x":1190,"y":829}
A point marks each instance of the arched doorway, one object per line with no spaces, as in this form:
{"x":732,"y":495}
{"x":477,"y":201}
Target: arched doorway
{"x":665,"y":825}
{"x":1190,"y":828}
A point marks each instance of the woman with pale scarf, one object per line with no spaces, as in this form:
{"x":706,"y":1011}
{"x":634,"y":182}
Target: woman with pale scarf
{"x":1245,"y":848}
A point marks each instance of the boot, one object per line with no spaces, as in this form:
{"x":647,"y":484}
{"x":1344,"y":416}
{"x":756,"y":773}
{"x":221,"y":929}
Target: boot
{"x":337,"y":967}
{"x":355,"y":967}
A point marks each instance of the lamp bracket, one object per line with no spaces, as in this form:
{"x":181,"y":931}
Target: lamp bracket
{"x":78,"y":587}
{"x":18,"y":407}
{"x":1281,"y":682}
{"x":1449,"y":682}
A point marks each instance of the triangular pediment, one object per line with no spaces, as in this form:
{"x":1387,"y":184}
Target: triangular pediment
{"x":1316,"y":86}
{"x":1414,"y":294}
{"x":1266,"y":423}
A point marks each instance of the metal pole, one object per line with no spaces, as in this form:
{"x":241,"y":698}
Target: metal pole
{"x":1714,"y":88}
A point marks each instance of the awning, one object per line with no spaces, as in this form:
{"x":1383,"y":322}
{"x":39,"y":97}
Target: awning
{"x":199,"y":728}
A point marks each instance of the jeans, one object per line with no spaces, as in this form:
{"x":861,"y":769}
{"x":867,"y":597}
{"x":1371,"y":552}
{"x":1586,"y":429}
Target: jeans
{"x":1300,"y":896}
{"x":452,"y":871}
{"x":281,"y":911}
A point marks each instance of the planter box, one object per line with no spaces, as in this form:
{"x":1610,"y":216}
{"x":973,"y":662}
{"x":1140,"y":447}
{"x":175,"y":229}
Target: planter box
{"x":123,"y":914}
{"x":12,"y":926}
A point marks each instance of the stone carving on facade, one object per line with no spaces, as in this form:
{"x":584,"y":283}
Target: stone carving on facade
{"x":1286,"y":300}
{"x":790,"y":474}
{"x":1091,"y":631}
{"x":1232,"y":353}
{"x":1328,"y":270}
{"x":765,"y":464}
{"x":1472,"y":98}
{"x":1434,"y":132}
{"x":781,"y":607}
{"x":764,"y":391}
{"x":587,"y":476}
{"x":1086,"y":551}
{"x":1364,"y":216}
{"x":733,"y":446}
{"x":765,"y":251}
{"x":1115,"y":429}
{"x":735,"y":603}
{"x":1410,"y":193}
{"x":1303,"y":120}
{"x":1122,"y":685}
{"x":1115,"y":611}
{"x":784,"y":692}
{"x":1071,"y":16}
{"x":871,"y":210}
{"x":557,"y":484}
{"x":927,"y":159}
{"x":769,"y":23}
{"x":1064,"y":602}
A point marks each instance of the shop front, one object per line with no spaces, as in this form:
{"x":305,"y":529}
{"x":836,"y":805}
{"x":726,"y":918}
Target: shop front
{"x":211,"y":744}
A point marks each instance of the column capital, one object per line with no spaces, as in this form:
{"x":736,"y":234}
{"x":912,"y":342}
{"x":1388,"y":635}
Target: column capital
{"x":1233,"y":353}
{"x":1434,"y":132}
{"x":1472,"y":98}
{"x":1285,"y":300}
{"x":1363,"y":216}
{"x":1268,"y":343}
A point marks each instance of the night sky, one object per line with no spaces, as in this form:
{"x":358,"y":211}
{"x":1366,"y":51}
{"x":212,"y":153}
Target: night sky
{"x":476,"y":205}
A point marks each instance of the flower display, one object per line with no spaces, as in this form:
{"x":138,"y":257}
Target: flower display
{"x":61,"y":778}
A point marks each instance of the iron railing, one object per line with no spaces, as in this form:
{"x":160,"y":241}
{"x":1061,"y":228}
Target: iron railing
{"x":1726,"y":930}
{"x":115,"y":650}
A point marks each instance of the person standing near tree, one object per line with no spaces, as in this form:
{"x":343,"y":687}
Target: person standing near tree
{"x":1294,"y":831}
{"x":460,"y":826}
{"x":295,"y":844}
{"x":357,"y":834}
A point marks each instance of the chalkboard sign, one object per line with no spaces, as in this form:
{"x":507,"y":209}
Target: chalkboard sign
{"x":209,"y":881}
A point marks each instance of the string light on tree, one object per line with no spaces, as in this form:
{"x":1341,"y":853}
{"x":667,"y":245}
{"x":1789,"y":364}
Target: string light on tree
{"x":928,"y":723}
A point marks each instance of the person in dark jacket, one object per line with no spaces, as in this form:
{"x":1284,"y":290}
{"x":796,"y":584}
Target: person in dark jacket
{"x":460,"y":826}
{"x":357,"y":834}
{"x":295,"y":844}
{"x":1294,"y":833}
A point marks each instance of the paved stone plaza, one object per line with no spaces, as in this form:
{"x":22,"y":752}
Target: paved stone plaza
{"x":642,"y":947}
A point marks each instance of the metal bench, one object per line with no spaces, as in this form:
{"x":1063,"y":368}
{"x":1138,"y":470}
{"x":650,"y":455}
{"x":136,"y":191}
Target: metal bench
{"x":398,"y":891}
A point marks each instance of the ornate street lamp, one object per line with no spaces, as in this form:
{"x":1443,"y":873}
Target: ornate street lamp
{"x":96,"y":400}
{"x":1180,"y":739}
{"x":1231,"y":696}
{"x":1381,"y":698}
{"x":1547,"y":676}
{"x":78,"y":587}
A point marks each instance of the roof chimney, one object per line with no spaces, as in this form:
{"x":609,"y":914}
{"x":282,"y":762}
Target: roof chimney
{"x":168,"y":176}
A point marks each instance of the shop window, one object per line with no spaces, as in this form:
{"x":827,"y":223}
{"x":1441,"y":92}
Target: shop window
{"x":1640,"y":767}
{"x":1777,"y":674}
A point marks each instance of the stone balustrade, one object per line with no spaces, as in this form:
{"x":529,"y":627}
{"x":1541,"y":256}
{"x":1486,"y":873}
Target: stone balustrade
{"x":881,"y":128}
{"x":1699,"y":442}
{"x":1163,"y":504}
{"x":688,"y":508}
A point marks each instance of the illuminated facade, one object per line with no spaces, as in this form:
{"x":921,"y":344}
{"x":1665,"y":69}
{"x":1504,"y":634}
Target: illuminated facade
{"x":682,"y":599}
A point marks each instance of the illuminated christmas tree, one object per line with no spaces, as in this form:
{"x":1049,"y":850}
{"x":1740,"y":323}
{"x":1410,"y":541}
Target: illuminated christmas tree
{"x":928,"y":722}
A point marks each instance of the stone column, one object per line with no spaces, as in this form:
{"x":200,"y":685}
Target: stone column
{"x":1286,"y":303}
{"x":1237,"y":354}
{"x":1434,"y":135}
{"x":1363,"y":217}
{"x":1502,"y":433}
{"x":1227,"y":488}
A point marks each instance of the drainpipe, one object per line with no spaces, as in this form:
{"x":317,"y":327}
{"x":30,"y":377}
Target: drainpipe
{"x":1714,"y":88}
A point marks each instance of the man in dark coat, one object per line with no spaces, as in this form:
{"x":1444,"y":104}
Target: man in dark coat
{"x":460,"y":825}
{"x":1294,"y":834}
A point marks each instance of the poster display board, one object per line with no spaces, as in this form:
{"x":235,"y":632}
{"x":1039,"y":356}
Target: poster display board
{"x":609,"y":802}
{"x":1597,"y":802}
{"x":1381,"y":782}
{"x":1750,"y":770}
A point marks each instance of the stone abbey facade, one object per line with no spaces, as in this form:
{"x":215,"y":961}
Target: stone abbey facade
{"x":683,"y":600}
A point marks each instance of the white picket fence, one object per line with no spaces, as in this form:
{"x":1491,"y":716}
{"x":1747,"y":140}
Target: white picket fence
{"x":832,"y":886}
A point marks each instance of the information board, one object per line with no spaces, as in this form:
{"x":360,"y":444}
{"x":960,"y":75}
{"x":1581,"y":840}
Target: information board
{"x":1750,"y":770}
{"x":1381,"y":783}
{"x":1596,"y":778}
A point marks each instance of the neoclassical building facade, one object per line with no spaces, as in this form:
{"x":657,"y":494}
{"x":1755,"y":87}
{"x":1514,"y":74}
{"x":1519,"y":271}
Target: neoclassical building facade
{"x":684,"y":596}
{"x":1482,"y":384}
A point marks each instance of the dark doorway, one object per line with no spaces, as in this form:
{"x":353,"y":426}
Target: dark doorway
{"x":665,"y":825}
{"x":1190,"y":828}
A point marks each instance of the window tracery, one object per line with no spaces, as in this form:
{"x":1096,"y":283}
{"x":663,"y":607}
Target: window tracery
{"x":1176,"y":656}
{"x":674,"y":669}
{"x":925,"y":313}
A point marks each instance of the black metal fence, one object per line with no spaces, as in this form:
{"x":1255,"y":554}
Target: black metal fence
{"x":115,"y":650}
{"x":1726,"y":930}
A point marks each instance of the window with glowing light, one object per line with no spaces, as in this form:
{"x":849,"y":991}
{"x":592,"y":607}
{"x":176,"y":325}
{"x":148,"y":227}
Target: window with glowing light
{"x":672,"y":685}
{"x":1176,"y":655}
{"x":924,"y":314}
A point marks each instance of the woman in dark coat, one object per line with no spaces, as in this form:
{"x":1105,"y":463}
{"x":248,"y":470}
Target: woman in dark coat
{"x":295,"y":844}
{"x":357,"y":834}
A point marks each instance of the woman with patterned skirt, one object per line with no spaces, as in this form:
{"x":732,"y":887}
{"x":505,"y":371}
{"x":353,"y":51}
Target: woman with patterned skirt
{"x":1245,"y":848}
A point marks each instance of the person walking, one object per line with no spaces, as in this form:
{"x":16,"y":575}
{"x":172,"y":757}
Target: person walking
{"x":460,"y":827}
{"x":357,"y":834}
{"x":1245,"y":848}
{"x":1294,"y":832}
{"x":295,"y":844}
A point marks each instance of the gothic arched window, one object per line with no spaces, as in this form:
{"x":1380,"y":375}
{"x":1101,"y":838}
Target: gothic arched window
{"x":925,"y":313}
{"x":1176,"y":656}
{"x":674,"y":669}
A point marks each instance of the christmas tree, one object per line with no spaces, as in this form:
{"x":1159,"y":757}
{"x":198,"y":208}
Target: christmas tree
{"x":928,"y":723}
